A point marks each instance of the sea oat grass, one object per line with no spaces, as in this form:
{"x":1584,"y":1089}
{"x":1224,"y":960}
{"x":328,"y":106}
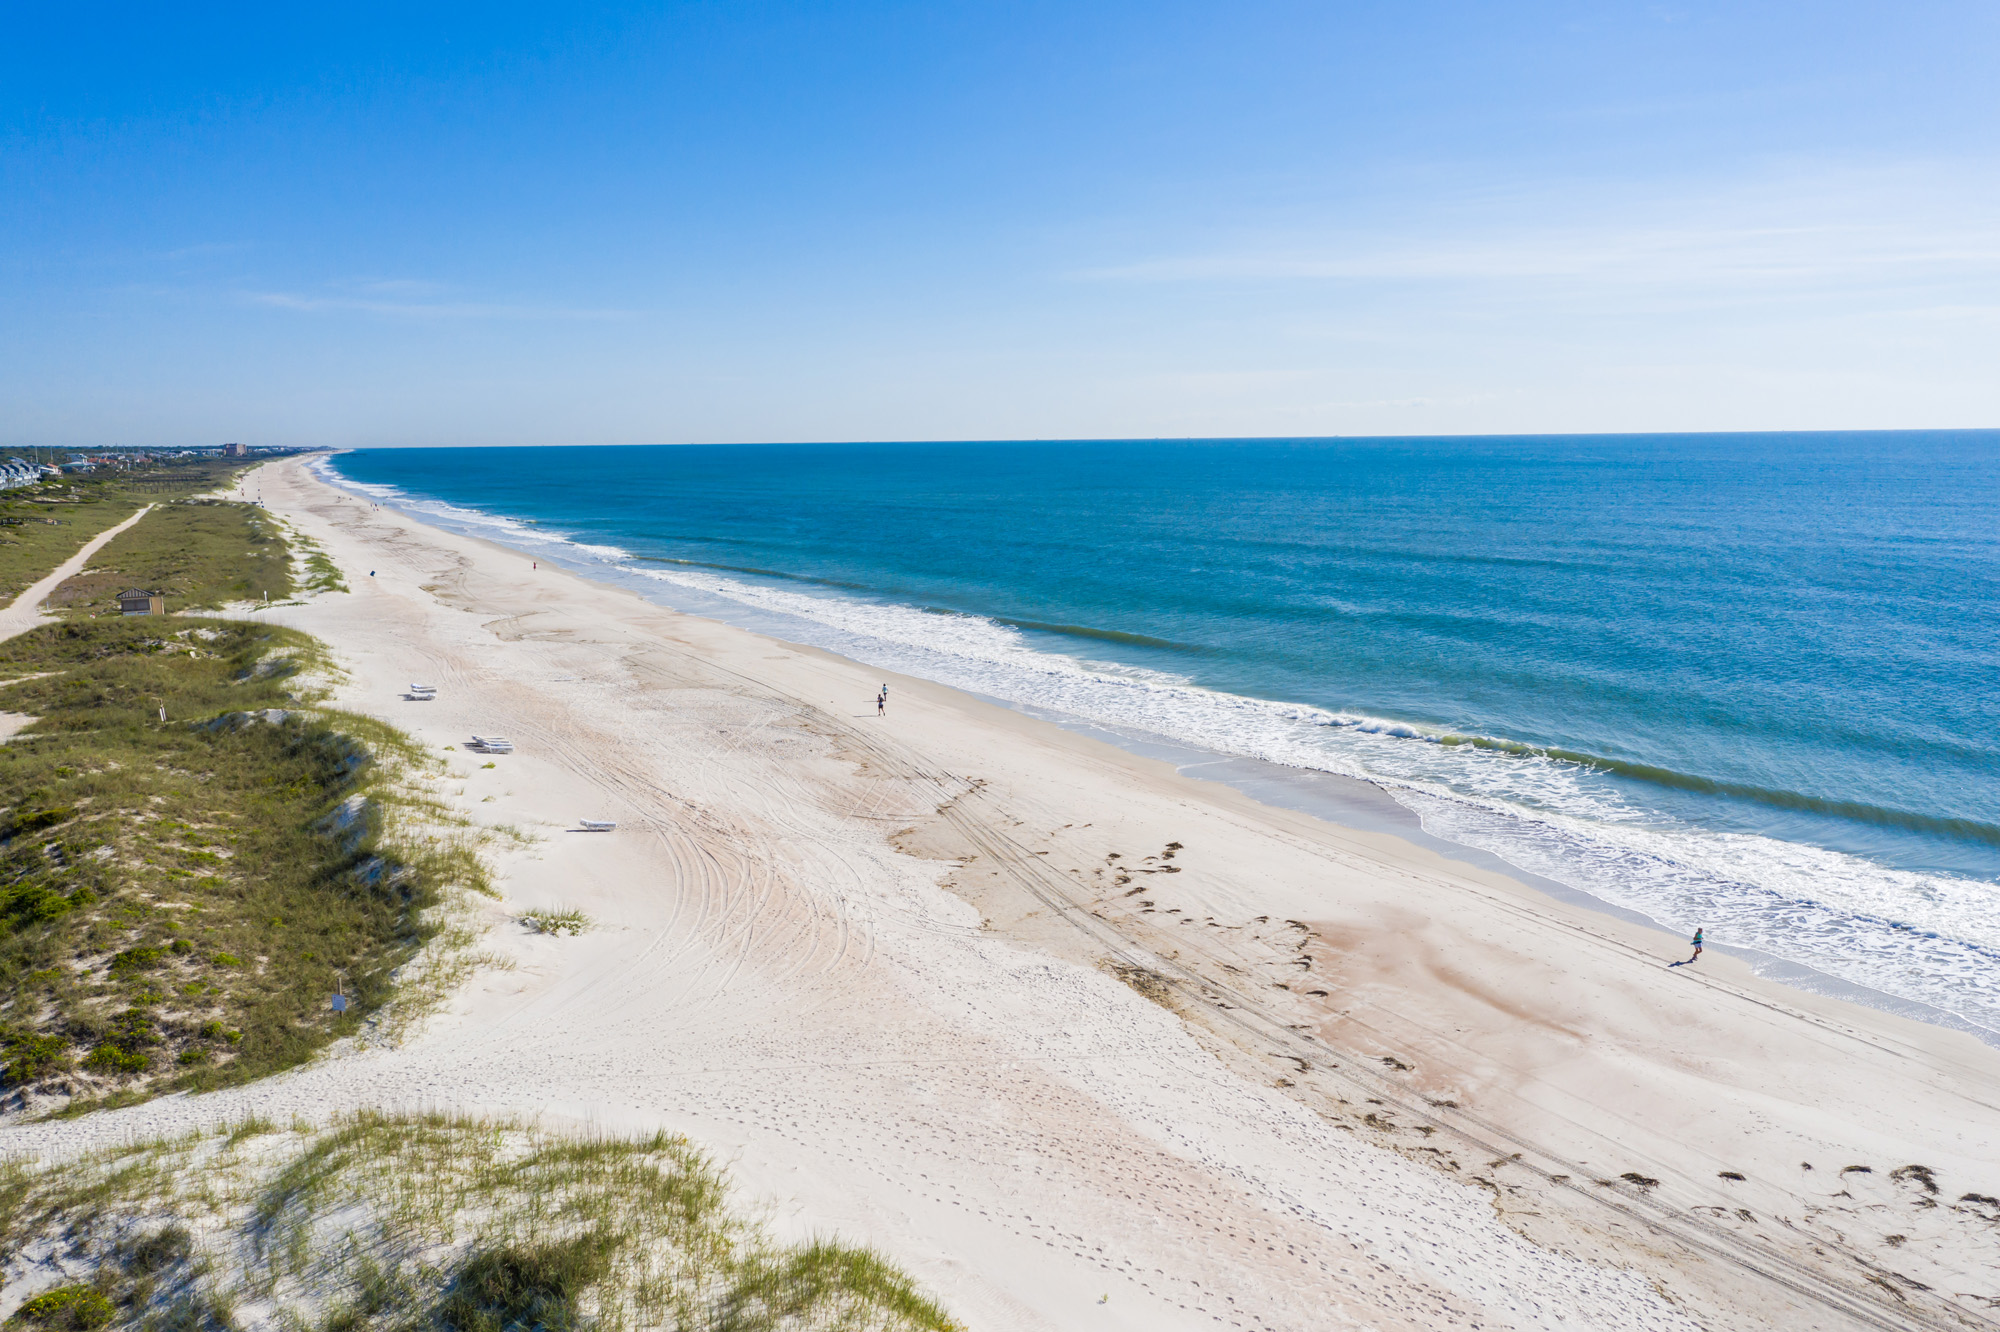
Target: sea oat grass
{"x":181,"y":898}
{"x":406,"y":1222}
{"x":556,"y":920}
{"x":314,"y":571}
{"x":199,"y":554}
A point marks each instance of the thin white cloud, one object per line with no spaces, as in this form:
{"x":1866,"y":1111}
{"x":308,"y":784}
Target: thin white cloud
{"x":398,"y":286}
{"x":285,"y":300}
{"x":1830,"y":232}
{"x":1775,"y":254}
{"x":203,"y":249}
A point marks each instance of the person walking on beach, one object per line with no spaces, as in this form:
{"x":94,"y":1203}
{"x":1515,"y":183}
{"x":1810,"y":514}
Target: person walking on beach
{"x":1697,"y":951}
{"x":881,"y":703}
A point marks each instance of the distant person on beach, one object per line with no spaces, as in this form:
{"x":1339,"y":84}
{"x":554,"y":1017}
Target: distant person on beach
{"x":881,"y":703}
{"x":1697,"y":951}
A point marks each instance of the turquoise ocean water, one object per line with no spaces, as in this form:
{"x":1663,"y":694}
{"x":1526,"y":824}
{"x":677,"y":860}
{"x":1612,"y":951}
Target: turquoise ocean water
{"x":1744,"y":682}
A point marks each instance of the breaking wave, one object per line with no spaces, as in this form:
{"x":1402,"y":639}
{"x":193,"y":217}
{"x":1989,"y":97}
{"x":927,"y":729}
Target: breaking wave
{"x":1929,"y":938}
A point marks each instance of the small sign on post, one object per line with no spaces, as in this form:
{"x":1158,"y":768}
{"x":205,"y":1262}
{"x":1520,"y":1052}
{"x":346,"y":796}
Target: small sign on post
{"x":339,"y":995}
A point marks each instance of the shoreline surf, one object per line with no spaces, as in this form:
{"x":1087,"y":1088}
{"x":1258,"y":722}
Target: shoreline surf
{"x":1440,"y":819}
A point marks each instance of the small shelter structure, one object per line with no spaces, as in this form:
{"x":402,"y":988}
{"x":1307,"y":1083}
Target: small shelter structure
{"x":135,"y":602}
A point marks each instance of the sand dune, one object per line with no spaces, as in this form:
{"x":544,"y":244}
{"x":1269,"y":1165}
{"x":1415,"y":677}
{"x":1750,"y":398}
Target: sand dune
{"x":1084,"y":1043}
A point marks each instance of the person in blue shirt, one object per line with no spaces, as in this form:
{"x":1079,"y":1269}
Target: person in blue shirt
{"x":1697,"y":951}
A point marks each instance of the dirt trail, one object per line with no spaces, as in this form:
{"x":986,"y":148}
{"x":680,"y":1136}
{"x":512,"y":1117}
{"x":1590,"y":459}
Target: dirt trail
{"x":25,"y":611}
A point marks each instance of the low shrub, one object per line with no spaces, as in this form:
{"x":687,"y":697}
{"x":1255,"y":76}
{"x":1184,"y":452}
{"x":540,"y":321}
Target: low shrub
{"x":32,"y":1057}
{"x":159,"y":1251}
{"x":68,"y":1309}
{"x":138,"y":959}
{"x":31,"y":821}
{"x":517,"y":1286}
{"x":116,"y":1059}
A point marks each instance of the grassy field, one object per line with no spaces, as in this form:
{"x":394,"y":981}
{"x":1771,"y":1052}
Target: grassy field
{"x":200,"y":554}
{"x":41,"y":526}
{"x":404,"y":1223}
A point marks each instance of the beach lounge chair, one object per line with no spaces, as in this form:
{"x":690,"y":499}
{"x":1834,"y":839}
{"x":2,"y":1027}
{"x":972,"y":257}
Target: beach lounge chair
{"x":598,"y":825}
{"x":493,"y":744}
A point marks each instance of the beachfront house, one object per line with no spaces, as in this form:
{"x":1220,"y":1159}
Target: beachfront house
{"x":135,"y":602}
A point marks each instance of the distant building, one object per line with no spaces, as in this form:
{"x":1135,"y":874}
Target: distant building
{"x":135,"y":602}
{"x":234,"y":451}
{"x":18,"y":472}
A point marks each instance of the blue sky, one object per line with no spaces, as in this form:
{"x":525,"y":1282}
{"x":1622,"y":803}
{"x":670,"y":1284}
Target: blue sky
{"x":831,"y":221}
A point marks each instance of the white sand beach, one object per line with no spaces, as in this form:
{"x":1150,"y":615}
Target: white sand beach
{"x":1082,"y":1043}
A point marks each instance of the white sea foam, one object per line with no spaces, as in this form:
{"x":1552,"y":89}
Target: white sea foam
{"x":1931,"y":938}
{"x":477,"y":521}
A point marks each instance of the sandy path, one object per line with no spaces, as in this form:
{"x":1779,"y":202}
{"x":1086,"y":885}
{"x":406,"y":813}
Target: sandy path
{"x":25,"y":611}
{"x":925,"y":1048}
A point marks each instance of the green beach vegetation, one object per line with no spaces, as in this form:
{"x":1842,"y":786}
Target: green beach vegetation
{"x":404,"y":1223}
{"x":43,"y":525}
{"x":315,"y":570}
{"x":555,"y":920}
{"x":200,"y":554}
{"x":195,"y":854}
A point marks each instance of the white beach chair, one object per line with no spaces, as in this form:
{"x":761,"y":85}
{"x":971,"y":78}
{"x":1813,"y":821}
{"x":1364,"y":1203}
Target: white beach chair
{"x":598,"y":825}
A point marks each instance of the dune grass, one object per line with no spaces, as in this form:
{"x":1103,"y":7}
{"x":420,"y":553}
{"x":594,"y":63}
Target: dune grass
{"x":194,"y":855}
{"x":556,"y":920}
{"x":200,"y":554}
{"x":179,"y":899}
{"x":417,"y":1222}
{"x":43,"y":525}
{"x":316,"y":572}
